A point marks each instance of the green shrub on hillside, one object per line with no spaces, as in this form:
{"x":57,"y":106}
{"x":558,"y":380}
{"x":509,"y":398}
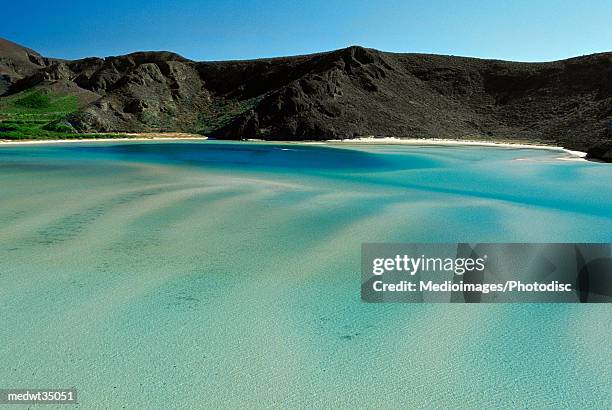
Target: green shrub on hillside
{"x":37,"y":100}
{"x":59,"y":126}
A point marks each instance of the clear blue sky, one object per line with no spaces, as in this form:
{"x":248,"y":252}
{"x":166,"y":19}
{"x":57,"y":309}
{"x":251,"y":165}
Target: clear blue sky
{"x":525,"y":30}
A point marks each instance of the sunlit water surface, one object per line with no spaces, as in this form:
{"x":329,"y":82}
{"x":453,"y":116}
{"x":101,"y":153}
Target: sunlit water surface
{"x":208,"y":274}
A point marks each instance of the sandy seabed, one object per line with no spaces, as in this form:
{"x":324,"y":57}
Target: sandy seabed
{"x":201,"y":275}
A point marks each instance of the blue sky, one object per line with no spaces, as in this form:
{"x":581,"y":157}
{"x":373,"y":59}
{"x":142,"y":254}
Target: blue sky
{"x":536,"y":30}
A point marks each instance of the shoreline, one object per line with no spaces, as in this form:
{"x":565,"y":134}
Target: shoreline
{"x":128,"y":137}
{"x":452,"y":142}
{"x":573,"y":154}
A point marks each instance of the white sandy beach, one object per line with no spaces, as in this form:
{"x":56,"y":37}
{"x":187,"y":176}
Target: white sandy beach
{"x":447,"y":142}
{"x":170,"y":136}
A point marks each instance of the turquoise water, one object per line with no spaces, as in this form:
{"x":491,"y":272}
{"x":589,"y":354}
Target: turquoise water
{"x":209,"y":274}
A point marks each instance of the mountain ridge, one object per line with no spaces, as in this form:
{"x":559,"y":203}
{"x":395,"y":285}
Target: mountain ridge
{"x":344,"y":93}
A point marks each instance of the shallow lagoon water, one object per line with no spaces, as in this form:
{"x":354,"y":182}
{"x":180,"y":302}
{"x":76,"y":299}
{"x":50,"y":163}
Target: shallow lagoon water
{"x":210,"y":274}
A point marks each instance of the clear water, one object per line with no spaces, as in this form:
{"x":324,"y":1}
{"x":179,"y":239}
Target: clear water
{"x":191,"y":275}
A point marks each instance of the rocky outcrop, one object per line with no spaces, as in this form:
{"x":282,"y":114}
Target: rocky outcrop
{"x":602,"y":152}
{"x":17,"y":62}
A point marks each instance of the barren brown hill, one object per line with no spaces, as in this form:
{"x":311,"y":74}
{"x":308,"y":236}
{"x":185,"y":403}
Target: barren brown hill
{"x":340,"y":94}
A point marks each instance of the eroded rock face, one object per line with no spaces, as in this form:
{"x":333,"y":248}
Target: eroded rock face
{"x":160,"y":95}
{"x":340,"y":94}
{"x":17,"y":62}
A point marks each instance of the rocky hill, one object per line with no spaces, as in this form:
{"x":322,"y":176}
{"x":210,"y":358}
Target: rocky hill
{"x":17,"y":62}
{"x":340,"y":94}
